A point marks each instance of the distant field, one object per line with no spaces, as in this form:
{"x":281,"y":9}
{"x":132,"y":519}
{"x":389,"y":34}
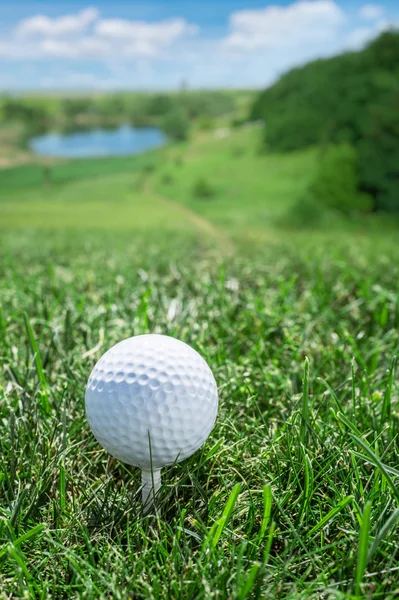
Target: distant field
{"x":249,"y":188}
{"x":35,"y":175}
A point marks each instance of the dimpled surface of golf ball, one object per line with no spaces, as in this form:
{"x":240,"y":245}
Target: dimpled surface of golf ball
{"x":151,"y":400}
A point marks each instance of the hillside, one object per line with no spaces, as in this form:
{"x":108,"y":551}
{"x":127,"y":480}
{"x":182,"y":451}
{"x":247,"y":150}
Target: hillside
{"x":245,"y":190}
{"x":300,"y":329}
{"x":303,"y":458}
{"x":351,"y":98}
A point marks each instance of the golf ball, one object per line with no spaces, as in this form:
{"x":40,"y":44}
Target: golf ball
{"x":151,"y":400}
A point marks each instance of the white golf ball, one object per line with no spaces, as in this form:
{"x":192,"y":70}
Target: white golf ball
{"x":151,"y":400}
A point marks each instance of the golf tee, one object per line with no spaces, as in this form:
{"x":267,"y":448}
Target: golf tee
{"x":151,"y":483}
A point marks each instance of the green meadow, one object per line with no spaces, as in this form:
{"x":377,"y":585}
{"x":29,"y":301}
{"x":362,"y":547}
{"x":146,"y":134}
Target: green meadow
{"x":245,"y":188}
{"x":296,"y":492}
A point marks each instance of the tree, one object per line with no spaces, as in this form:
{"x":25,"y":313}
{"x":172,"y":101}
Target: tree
{"x":335,"y":185}
{"x":379,"y":153}
{"x":176,"y":125}
{"x":352,"y":98}
{"x":74,"y":107}
{"x":160,"y":105}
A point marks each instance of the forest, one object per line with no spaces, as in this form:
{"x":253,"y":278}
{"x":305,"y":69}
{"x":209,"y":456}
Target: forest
{"x":348,"y":105}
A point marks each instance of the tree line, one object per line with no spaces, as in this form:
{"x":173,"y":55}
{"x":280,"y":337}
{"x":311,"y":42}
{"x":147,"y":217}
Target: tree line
{"x":349,"y":106}
{"x":172,"y":111}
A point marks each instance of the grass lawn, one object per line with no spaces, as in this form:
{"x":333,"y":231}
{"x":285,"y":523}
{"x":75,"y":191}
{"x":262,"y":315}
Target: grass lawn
{"x":249,"y":188}
{"x":296,"y":492}
{"x":112,"y":201}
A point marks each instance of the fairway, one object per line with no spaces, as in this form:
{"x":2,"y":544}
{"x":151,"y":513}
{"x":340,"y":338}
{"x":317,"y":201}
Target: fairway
{"x":111,"y":201}
{"x":295,"y":493}
{"x":240,"y":174}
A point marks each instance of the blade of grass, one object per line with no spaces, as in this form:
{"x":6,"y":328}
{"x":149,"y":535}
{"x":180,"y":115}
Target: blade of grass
{"x":367,"y":459}
{"x":305,"y":403}
{"x":267,"y":508}
{"x":249,"y":582}
{"x":383,"y":532}
{"x":353,"y":388}
{"x":218,"y":527}
{"x":22,"y":539}
{"x":359,"y":483}
{"x":39,"y":366}
{"x":330,"y":515}
{"x":2,"y":331}
{"x":333,"y":394}
{"x":362,"y":551}
{"x":142,"y":310}
{"x":386,"y":405}
{"x":341,"y":417}
{"x":212,"y":451}
{"x":308,"y":488}
{"x":63,"y":499}
{"x":19,"y":559}
{"x":269,"y":543}
{"x":377,"y":463}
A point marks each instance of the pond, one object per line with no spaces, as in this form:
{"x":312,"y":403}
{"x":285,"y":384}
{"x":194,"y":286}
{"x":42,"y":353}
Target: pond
{"x":121,"y":141}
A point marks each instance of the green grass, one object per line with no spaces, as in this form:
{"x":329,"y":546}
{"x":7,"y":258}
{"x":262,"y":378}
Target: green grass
{"x":35,"y":175}
{"x":111,"y":201}
{"x":296,"y":492}
{"x":250,"y":187}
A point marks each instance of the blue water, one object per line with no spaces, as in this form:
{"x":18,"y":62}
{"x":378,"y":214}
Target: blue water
{"x":122,"y":141}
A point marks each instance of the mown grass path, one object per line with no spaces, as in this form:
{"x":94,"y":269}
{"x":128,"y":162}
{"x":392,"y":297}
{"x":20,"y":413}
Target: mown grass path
{"x":201,"y":223}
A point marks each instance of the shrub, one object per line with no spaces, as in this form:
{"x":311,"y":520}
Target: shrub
{"x":47,"y":175}
{"x":351,"y":98}
{"x":203,"y":189}
{"x":149,"y":168}
{"x":206,"y":123}
{"x":176,"y":125}
{"x":307,"y":214}
{"x":335,"y":184}
{"x":237,"y":122}
{"x":379,"y":153}
{"x":167,"y":179}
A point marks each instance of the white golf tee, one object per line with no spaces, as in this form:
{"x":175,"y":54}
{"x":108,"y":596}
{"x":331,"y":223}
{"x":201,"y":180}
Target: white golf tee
{"x":151,"y":483}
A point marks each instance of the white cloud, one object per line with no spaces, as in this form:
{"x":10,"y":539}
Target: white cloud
{"x":163,"y":32}
{"x":86,"y":47}
{"x":361,"y":36}
{"x":42,"y":26}
{"x":138,"y":38}
{"x":371,"y":12}
{"x":85,"y":35}
{"x":143,"y":48}
{"x":79,"y":80}
{"x":283,"y":26}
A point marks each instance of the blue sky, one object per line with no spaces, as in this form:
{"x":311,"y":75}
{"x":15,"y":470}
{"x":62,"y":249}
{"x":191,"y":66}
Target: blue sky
{"x":129,"y":44}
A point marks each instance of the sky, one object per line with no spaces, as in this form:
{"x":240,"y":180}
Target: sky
{"x":156,"y":45}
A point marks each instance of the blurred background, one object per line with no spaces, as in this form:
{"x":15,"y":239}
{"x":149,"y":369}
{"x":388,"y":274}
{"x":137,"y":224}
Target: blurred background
{"x":252,"y":115}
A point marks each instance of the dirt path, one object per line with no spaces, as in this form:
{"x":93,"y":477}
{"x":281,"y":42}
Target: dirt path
{"x":201,"y":223}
